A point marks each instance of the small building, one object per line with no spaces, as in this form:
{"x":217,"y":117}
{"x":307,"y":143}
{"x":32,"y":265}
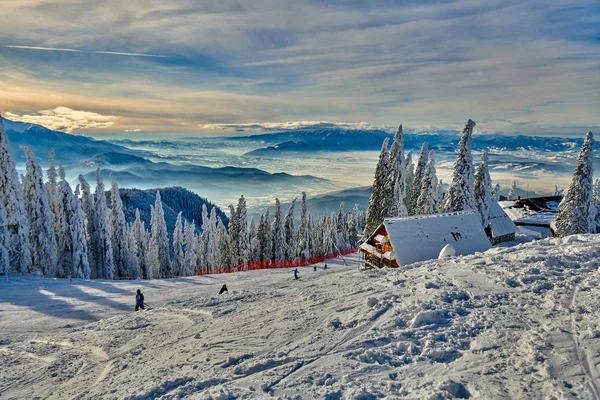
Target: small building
{"x":501,"y":227}
{"x":405,"y":240}
{"x":534,"y":216}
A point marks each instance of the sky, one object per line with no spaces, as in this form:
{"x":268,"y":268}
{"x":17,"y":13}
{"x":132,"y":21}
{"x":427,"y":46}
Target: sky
{"x":142,"y":68}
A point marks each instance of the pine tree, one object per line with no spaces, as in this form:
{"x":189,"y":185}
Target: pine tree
{"x":398,"y":176}
{"x":57,"y":212}
{"x":105,"y":268}
{"x":310,"y":236}
{"x":159,"y":248}
{"x":380,"y":198}
{"x":190,"y":248}
{"x":265,"y":241}
{"x":11,"y":197}
{"x":4,"y":242}
{"x":352,"y":227}
{"x":254,"y":244}
{"x":244,"y":242}
{"x":178,"y":264}
{"x":302,"y":243}
{"x":41,"y":233}
{"x":87,"y":206}
{"x":80,"y":266}
{"x":595,"y":211}
{"x":118,"y":230}
{"x":63,"y":218}
{"x":132,"y":258}
{"x":496,"y":192}
{"x":429,"y":200}
{"x":419,"y":173}
{"x":290,"y":232}
{"x":142,"y":240}
{"x":212,"y":241}
{"x":342,"y":235}
{"x":234,"y":235}
{"x":483,"y":191}
{"x":512,"y":193}
{"x":278,"y":232}
{"x":221,"y":248}
{"x":410,"y":177}
{"x":574,"y":211}
{"x":460,"y":194}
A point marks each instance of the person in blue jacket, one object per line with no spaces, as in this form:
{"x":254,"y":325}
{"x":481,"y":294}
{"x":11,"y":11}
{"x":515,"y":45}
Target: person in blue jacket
{"x":139,"y":300}
{"x":296,"y":273}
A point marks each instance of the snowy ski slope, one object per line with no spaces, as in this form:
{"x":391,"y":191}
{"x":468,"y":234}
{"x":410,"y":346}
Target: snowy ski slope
{"x":514,"y":322}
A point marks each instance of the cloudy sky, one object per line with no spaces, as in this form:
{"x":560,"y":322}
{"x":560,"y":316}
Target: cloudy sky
{"x":212,"y":67}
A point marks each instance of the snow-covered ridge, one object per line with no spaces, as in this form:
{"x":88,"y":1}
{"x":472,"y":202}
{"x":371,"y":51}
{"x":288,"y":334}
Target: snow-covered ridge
{"x":513,"y":322}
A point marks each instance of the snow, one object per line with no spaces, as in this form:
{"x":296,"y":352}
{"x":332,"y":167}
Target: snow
{"x":500,"y":222}
{"x":513,"y":322}
{"x":421,"y":237}
{"x":447,"y":251}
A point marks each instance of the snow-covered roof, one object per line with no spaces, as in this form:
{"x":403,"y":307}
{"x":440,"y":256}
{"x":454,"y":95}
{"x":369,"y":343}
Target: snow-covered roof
{"x":380,"y":239}
{"x":541,"y":218}
{"x":421,"y":237}
{"x":500,"y":222}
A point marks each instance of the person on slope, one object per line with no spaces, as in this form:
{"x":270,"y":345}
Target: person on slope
{"x":315,"y":268}
{"x":139,"y":300}
{"x":325,"y":266}
{"x":296,"y":273}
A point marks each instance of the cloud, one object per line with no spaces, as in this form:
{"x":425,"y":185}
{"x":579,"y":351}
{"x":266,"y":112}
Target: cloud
{"x":291,"y":125}
{"x":133,"y":130}
{"x":114,"y":53}
{"x":65,"y":119}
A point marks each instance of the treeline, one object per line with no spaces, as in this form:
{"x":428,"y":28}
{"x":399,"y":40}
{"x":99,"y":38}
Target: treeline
{"x":47,"y":228}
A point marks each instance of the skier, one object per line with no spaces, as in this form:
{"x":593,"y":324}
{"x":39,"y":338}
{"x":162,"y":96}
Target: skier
{"x":296,"y":273}
{"x":139,"y":300}
{"x":223,"y":289}
{"x":315,"y":268}
{"x":325,"y":266}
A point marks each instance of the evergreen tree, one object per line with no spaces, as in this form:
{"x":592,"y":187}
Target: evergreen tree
{"x":310,"y":236}
{"x":265,"y":241}
{"x":419,"y":173}
{"x":278,"y":232}
{"x":80,"y":266}
{"x":41,"y":233}
{"x":221,"y":248}
{"x":4,"y":242}
{"x":290,"y":233}
{"x":398,"y":176}
{"x":142,"y":240}
{"x":234,"y":235}
{"x":496,"y":192}
{"x":11,"y":197}
{"x":87,"y":207}
{"x":483,"y":190}
{"x":203,"y":242}
{"x":56,"y":210}
{"x":63,"y":218}
{"x":380,"y":198}
{"x":512,"y":193}
{"x":178,"y":265}
{"x":429,"y":200}
{"x":302,"y":243}
{"x":574,"y":211}
{"x":190,"y":248}
{"x":352,"y":227}
{"x":159,"y":248}
{"x":118,"y":230}
{"x":342,"y":234}
{"x":460,"y":194}
{"x":132,"y":258}
{"x":410,"y":177}
{"x":104,"y":267}
{"x":212,"y":246}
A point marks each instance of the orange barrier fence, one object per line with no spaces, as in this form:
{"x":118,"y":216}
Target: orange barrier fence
{"x":272,"y":264}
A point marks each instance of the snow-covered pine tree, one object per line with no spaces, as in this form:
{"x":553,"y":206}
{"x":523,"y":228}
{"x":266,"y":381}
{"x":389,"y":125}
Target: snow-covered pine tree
{"x":63,"y":217}
{"x":11,"y":196}
{"x":380,"y":198}
{"x":56,"y":210}
{"x":105,"y":266}
{"x":222,"y":259}
{"x":4,"y":242}
{"x":512,"y":193}
{"x":213,"y":242}
{"x":244,"y":241}
{"x":460,"y":194}
{"x":419,"y":173}
{"x":290,"y":232}
{"x":234,"y":235}
{"x":595,"y":211}
{"x":574,"y":211}
{"x":483,"y":191}
{"x":203,"y":242}
{"x":132,"y":259}
{"x":278,"y":234}
{"x":80,"y":266}
{"x":189,"y":236}
{"x":41,"y":233}
{"x":342,"y":234}
{"x":310,"y":236}
{"x":118,"y":233}
{"x":410,"y":177}
{"x":496,"y":192}
{"x":159,"y":248}
{"x":429,"y":200}
{"x":397,"y":175}
{"x":178,"y":264}
{"x":302,"y":243}
{"x":142,"y":240}
{"x":254,"y":244}
{"x":265,"y":239}
{"x":87,"y":206}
